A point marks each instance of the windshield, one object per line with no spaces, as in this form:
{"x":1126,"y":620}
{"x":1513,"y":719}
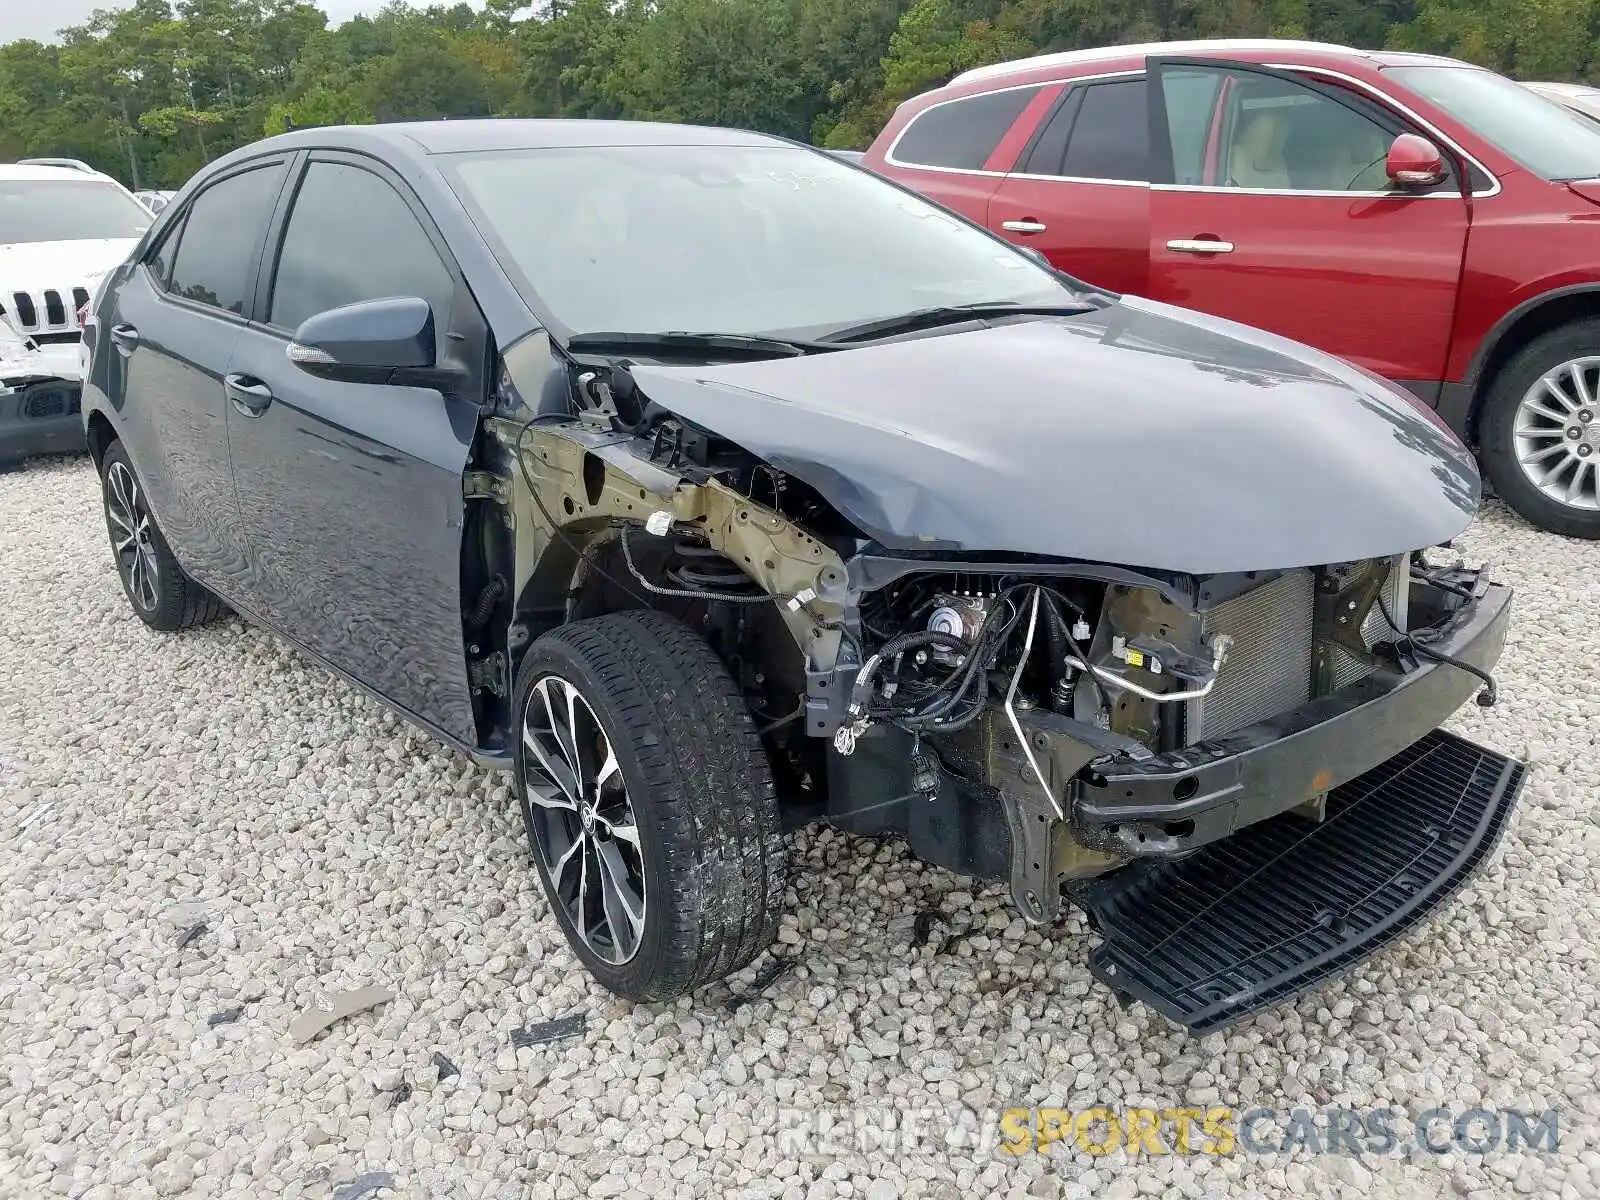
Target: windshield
{"x":1537,"y":132}
{"x":63,"y":210}
{"x":734,"y":239}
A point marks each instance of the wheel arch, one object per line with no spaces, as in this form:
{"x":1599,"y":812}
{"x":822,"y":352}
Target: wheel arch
{"x":1531,"y":319}
{"x":588,"y":491}
{"x":100,"y":434}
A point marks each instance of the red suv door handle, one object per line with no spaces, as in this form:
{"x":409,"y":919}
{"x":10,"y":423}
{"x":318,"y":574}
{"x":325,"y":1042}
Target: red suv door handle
{"x":1026,"y":225}
{"x":1200,"y":245}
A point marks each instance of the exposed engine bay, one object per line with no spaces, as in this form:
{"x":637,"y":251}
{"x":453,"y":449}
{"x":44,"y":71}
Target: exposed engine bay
{"x":969,"y":705}
{"x":1058,"y":725}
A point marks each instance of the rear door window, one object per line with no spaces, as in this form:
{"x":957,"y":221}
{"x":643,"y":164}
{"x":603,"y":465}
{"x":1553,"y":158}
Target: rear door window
{"x":1049,"y":146}
{"x":159,"y":261}
{"x":961,"y":134}
{"x":220,"y":244}
{"x":1111,"y":134}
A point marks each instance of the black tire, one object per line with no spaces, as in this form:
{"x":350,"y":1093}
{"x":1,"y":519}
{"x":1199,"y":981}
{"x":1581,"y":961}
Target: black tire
{"x":159,"y":591}
{"x":1496,"y":429}
{"x":714,"y":859}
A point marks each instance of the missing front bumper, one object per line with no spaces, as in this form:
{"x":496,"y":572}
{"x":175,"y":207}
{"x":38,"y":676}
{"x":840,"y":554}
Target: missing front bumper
{"x":1248,"y":922}
{"x":1172,"y":804}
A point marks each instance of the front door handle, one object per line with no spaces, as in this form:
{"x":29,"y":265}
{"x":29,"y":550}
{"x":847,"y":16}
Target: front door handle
{"x":1200,"y":246}
{"x":249,"y":395}
{"x":1027,"y":225}
{"x":125,"y":338}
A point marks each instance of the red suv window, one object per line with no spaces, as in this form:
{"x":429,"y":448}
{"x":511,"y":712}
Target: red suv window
{"x":961,"y":134}
{"x":1111,"y":137}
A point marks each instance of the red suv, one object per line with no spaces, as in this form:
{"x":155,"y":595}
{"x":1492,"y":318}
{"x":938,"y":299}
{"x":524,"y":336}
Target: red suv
{"x":1429,"y":220}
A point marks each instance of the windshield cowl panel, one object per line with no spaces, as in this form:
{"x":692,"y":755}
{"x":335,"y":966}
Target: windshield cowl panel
{"x":756,"y":240}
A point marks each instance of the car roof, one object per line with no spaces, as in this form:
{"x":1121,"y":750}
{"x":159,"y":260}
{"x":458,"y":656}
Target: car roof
{"x":510,"y":133}
{"x":77,"y":164}
{"x":22,"y":171}
{"x":1068,"y":60}
{"x":1563,"y":89}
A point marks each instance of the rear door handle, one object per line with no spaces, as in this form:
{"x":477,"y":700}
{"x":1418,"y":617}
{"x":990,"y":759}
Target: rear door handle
{"x":1028,"y":225}
{"x":125,"y":338}
{"x":1200,"y":246}
{"x":249,"y":395}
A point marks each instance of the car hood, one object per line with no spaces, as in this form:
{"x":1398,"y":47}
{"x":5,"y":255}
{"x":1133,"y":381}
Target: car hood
{"x":34,"y":266}
{"x":1137,"y":434}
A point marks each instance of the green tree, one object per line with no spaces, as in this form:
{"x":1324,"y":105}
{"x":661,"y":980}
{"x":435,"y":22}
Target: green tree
{"x":152,"y":90}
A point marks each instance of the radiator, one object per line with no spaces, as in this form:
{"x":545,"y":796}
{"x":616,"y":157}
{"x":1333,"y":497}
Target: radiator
{"x":1269,"y":668}
{"x":1269,"y":665}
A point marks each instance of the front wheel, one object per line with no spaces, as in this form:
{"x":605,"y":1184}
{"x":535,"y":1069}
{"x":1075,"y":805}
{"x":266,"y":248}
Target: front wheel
{"x":648,"y":803}
{"x":1540,"y":431}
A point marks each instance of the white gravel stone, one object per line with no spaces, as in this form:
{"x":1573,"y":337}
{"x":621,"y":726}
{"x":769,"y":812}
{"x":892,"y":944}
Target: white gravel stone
{"x":149,"y":783}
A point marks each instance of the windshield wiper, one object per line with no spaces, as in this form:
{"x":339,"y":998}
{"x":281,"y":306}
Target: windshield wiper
{"x":675,"y":340}
{"x":949,"y":314}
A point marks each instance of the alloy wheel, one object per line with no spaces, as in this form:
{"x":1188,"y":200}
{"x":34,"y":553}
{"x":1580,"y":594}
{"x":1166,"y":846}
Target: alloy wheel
{"x":131,"y":531}
{"x":1556,"y":434}
{"x":585,"y":831}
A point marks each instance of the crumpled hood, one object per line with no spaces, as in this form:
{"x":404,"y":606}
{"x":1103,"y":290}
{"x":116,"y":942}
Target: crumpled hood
{"x":34,"y":266}
{"x":1139,"y":434}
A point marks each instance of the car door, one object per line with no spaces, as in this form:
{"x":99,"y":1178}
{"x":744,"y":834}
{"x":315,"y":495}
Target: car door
{"x":351,"y":493}
{"x":173,"y":322}
{"x":1079,"y":193}
{"x":1270,"y":205}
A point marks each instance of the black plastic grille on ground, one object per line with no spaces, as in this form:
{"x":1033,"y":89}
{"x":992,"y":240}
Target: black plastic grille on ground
{"x":1247,"y":922}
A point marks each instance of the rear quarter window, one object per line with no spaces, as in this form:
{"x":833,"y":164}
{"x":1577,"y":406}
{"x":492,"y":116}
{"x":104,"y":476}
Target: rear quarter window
{"x":961,"y":134}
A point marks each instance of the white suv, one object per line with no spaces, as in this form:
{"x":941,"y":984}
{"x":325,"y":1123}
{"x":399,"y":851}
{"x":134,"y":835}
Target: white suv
{"x":61,"y":230}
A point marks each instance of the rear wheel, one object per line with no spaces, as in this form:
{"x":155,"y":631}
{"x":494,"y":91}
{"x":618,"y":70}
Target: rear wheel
{"x":649,"y":804}
{"x":1540,"y":432}
{"x":161,"y":594}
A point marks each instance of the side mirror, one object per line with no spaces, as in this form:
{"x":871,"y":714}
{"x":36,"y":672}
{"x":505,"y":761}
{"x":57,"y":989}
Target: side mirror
{"x":375,"y":341}
{"x":1415,"y":162}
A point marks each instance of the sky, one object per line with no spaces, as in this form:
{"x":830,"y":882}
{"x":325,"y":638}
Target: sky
{"x":41,"y":18}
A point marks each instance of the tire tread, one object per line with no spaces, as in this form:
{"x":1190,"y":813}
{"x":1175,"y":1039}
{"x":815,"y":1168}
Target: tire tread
{"x":707,"y":778}
{"x":183,"y":603}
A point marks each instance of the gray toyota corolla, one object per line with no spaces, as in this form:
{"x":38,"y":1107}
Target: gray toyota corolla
{"x":715,"y":486}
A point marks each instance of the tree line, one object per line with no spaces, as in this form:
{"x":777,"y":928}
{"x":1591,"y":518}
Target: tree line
{"x":151,"y":92}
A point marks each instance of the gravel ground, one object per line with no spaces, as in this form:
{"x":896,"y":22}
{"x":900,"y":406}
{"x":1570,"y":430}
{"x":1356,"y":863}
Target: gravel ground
{"x":209,"y":825}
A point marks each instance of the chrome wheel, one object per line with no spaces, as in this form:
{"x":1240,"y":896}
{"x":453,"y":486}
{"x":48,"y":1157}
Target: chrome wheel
{"x":128,"y":518}
{"x":1556,"y":434}
{"x":583,"y":821}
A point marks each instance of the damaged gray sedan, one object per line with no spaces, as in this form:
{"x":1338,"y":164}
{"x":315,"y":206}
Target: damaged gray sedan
{"x":715,"y":486}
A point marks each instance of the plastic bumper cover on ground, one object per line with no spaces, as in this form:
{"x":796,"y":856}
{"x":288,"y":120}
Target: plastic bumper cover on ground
{"x":40,"y":418}
{"x":1248,"y":922}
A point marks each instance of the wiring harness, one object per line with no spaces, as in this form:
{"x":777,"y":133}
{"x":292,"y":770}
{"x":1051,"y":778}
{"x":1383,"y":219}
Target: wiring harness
{"x":927,"y":681}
